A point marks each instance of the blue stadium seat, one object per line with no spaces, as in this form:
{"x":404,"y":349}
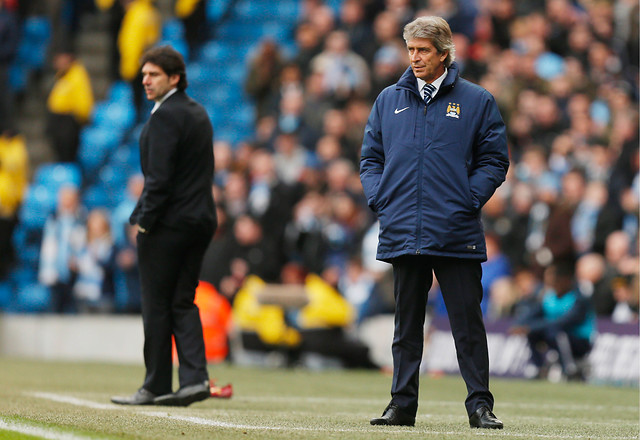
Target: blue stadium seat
{"x":22,"y":276}
{"x":215,"y":9}
{"x":179,"y":44}
{"x":126,"y":157}
{"x":31,"y":298}
{"x":239,"y":32}
{"x":172,"y":29}
{"x":121,"y":92}
{"x":29,"y":254}
{"x":39,"y":202}
{"x":56,"y":175}
{"x":220,"y":52}
{"x":113,"y":178}
{"x":96,"y":196}
{"x":96,"y":143}
{"x":37,"y":28}
{"x":18,"y":76}
{"x":6,"y":294}
{"x":36,"y":35}
{"x":115,"y":115}
{"x":197,"y":73}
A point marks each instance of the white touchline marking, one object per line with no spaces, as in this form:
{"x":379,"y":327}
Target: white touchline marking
{"x":219,"y":424}
{"x":72,"y":400}
{"x":37,"y":431}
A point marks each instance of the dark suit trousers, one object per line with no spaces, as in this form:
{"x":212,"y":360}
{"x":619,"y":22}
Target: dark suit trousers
{"x":169,"y":264}
{"x":462,"y":292}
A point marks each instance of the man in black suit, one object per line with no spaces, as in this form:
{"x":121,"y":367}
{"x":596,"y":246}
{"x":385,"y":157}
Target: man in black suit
{"x":176,"y":219}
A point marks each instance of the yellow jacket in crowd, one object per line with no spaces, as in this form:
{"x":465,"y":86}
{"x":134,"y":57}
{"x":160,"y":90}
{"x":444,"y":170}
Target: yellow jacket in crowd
{"x":104,"y":5}
{"x":72,"y":94}
{"x":326,"y":308}
{"x":14,"y":170}
{"x":184,"y":8}
{"x":140,"y":29}
{"x":266,"y":320}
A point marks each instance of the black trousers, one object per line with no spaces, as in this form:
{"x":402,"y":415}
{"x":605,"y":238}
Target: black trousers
{"x":462,"y":292}
{"x":169,"y":263}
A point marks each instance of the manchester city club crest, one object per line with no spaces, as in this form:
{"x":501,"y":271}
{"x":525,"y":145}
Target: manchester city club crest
{"x":453,"y":110}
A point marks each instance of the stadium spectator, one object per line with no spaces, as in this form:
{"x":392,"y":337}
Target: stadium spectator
{"x":357,"y":286}
{"x":92,"y":266}
{"x":590,"y":270}
{"x":193,"y":14}
{"x":558,"y":237}
{"x":121,"y":213}
{"x":625,"y":292}
{"x":115,"y":12}
{"x":69,"y":105}
{"x":495,"y":268}
{"x":619,"y":263}
{"x":262,"y":75}
{"x":63,"y":235}
{"x":9,"y":40}
{"x":323,"y":322}
{"x":248,"y":251}
{"x":139,"y":30}
{"x":352,"y":19}
{"x":344,"y":72}
{"x":309,"y":44}
{"x":527,"y":289}
{"x":14,"y":174}
{"x":126,"y":273}
{"x":563,"y":321}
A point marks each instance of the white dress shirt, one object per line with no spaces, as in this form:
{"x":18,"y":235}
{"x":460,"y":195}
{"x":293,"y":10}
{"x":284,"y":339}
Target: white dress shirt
{"x":163,"y":99}
{"x":437,"y":83}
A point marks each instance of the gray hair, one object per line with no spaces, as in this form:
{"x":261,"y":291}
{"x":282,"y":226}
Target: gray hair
{"x":435,"y":29}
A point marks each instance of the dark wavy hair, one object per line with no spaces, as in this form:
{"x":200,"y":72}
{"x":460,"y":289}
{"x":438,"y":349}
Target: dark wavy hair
{"x":169,"y":60}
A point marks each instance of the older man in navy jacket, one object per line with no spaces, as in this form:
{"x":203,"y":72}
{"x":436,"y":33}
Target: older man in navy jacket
{"x":434,"y":151}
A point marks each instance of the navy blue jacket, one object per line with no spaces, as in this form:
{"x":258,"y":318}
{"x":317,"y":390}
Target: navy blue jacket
{"x":428,"y":170}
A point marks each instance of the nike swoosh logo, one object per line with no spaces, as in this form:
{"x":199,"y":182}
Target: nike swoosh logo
{"x":401,"y":110}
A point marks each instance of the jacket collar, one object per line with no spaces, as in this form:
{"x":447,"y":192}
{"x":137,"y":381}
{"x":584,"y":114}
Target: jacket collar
{"x":408,"y":79}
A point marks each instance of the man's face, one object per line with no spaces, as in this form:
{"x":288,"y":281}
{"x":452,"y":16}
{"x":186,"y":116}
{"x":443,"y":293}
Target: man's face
{"x":156,"y":82}
{"x":426,"y":62}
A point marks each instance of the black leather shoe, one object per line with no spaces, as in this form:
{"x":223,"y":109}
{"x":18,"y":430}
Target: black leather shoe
{"x":393,"y":415}
{"x":484,"y":418}
{"x":140,"y":397}
{"x":185,"y":396}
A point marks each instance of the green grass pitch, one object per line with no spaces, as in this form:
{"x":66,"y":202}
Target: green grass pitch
{"x":70,"y":401}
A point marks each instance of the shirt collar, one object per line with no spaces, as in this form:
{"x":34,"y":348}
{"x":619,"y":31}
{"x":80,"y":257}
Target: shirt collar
{"x":437,"y":83}
{"x":163,"y":99}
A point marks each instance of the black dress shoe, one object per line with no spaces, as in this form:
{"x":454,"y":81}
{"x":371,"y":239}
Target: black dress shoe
{"x":140,"y":397}
{"x":185,"y":396}
{"x":393,"y":415}
{"x":484,"y":418}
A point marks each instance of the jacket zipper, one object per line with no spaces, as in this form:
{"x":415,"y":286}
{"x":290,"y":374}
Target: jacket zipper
{"x":419,"y":222}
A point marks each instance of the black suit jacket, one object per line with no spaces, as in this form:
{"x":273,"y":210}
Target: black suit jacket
{"x":176,"y":156}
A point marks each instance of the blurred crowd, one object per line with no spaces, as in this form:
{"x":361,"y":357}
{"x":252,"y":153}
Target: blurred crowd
{"x":565,"y":75}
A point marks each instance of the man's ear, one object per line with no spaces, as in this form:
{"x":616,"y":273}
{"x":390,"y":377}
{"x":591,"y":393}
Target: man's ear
{"x":174,"y":79}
